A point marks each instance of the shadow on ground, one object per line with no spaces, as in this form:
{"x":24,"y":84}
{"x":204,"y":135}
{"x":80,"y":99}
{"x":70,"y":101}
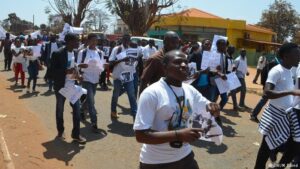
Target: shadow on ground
{"x":211,"y":147}
{"x":65,"y":151}
{"x":121,"y":128}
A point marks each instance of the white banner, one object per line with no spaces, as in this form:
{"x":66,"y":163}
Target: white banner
{"x":69,"y":29}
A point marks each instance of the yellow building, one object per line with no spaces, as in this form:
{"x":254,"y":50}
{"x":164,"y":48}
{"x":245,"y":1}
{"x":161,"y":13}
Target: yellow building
{"x":196,"y":25}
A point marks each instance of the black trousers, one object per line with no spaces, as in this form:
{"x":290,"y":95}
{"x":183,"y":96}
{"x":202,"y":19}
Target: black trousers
{"x":7,"y":59}
{"x":186,"y":163}
{"x":290,"y":150}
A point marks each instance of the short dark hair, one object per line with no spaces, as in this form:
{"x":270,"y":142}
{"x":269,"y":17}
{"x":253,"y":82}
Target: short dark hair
{"x":70,"y":37}
{"x":91,"y":35}
{"x":221,"y":41}
{"x":286,"y":48}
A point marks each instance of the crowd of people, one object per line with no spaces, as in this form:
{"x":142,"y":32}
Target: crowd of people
{"x":161,"y":104}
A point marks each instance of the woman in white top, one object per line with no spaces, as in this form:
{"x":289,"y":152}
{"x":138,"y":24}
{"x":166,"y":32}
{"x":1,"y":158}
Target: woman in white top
{"x":278,"y":126}
{"x":18,"y":61}
{"x":33,"y":64}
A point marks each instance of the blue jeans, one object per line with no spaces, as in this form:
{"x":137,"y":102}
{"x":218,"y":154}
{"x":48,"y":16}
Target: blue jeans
{"x":213,"y":90}
{"x":33,"y":71}
{"x":50,"y":84}
{"x":243,"y":90}
{"x":90,"y":100}
{"x":262,"y":102}
{"x":135,"y":83}
{"x":129,"y":88}
{"x":60,"y":103}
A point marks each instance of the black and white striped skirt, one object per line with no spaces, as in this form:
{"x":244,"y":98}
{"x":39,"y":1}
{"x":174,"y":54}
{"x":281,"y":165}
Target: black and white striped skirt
{"x":278,"y":125}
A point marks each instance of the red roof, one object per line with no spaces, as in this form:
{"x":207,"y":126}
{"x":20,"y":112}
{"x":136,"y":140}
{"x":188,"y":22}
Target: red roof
{"x":193,"y":12}
{"x":255,"y":28}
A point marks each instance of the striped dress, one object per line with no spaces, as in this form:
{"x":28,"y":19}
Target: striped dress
{"x":278,"y":125}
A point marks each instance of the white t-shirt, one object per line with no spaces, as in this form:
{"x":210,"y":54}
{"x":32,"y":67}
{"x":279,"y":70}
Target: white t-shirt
{"x":261,"y":62}
{"x":230,"y":65}
{"x":124,"y":71}
{"x":147,"y":52}
{"x":282,"y":79}
{"x":54,"y":48}
{"x":241,"y":66}
{"x":157,"y":105}
{"x":95,"y":65}
{"x":297,"y":86}
{"x":70,"y":64}
{"x":20,"y":58}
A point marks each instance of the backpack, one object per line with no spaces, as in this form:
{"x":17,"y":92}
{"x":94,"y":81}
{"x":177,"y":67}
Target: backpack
{"x":265,"y":71}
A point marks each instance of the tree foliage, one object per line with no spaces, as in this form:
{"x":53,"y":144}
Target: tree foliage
{"x":73,"y":12}
{"x":15,"y":24}
{"x":97,"y":20}
{"x":282,"y":18}
{"x":139,"y":15}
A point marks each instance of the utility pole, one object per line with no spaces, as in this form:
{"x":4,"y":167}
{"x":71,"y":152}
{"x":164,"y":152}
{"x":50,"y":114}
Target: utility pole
{"x":33,"y":22}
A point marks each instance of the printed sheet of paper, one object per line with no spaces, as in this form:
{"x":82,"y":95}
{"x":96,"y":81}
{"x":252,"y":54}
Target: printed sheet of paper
{"x":106,"y":50}
{"x":94,"y":66}
{"x":211,"y":60}
{"x":212,"y":131}
{"x":231,"y":83}
{"x":192,"y":68}
{"x":205,"y":60}
{"x":72,"y":92}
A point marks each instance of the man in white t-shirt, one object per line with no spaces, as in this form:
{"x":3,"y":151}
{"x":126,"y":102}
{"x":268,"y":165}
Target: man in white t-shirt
{"x":260,"y":65}
{"x":124,"y":62}
{"x":149,"y":50}
{"x":165,"y":111}
{"x":91,"y":60}
{"x":241,"y":68}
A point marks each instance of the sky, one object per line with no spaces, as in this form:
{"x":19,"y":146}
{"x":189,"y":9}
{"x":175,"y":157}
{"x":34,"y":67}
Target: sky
{"x":249,"y":10}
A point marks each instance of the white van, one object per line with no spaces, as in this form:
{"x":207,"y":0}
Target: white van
{"x":158,"y":42}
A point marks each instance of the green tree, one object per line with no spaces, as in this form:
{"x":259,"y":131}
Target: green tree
{"x":139,"y":15}
{"x":282,"y":18}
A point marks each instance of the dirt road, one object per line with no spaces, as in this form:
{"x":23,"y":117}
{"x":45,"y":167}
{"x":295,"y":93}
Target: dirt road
{"x":30,"y":131}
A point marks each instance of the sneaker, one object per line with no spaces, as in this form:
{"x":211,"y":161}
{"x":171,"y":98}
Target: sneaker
{"x":79,"y":139}
{"x":95,"y":128}
{"x":254,"y":119}
{"x":238,"y":108}
{"x":61,"y":136}
{"x":114,"y":115}
{"x":28,"y":90}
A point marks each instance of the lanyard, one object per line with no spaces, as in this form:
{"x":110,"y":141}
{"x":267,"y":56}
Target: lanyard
{"x":181,"y":106}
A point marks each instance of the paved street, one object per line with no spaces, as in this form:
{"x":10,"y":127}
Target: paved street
{"x":116,"y":148}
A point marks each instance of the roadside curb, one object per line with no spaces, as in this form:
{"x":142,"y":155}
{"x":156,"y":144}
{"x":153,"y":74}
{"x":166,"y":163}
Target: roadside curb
{"x":4,"y":150}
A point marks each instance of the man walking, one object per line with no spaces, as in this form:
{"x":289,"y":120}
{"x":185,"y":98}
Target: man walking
{"x":260,"y":65}
{"x":62,"y":69}
{"x":6,"y":44}
{"x":92,"y":59}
